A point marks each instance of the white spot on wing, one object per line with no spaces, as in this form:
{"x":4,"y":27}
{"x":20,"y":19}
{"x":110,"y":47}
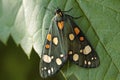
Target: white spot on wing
{"x":95,"y":58}
{"x":81,"y":51}
{"x":71,"y":36}
{"x":85,"y":62}
{"x":52,"y":57}
{"x":49,"y":71}
{"x":70,"y":52}
{"x":92,"y":58}
{"x":87,"y":50}
{"x":46,"y":58}
{"x":58,"y":61}
{"x":61,"y":55}
{"x":75,"y":57}
{"x":55,"y":40}
{"x":45,"y":68}
{"x":89,"y":63}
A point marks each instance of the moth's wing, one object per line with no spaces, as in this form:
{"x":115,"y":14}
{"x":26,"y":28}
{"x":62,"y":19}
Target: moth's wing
{"x":53,"y":52}
{"x":80,"y":50}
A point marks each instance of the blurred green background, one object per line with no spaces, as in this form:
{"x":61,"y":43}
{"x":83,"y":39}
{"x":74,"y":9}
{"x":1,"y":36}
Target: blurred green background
{"x":23,"y":26}
{"x":15,"y":65}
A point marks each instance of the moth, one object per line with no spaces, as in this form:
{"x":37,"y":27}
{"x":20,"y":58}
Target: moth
{"x":65,"y":41}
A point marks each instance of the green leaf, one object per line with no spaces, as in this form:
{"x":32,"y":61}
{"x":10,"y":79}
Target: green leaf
{"x":27,"y":22}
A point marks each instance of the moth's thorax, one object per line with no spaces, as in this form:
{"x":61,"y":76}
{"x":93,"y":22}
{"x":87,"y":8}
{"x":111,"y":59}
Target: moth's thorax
{"x":59,"y":17}
{"x":59,"y":14}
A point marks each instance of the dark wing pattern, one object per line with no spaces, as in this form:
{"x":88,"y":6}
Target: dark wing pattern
{"x":80,"y":50}
{"x":54,"y":53}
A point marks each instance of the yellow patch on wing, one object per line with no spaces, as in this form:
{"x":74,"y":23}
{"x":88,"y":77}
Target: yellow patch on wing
{"x":75,"y":57}
{"x":49,"y":37}
{"x":61,"y":25}
{"x":71,"y":36}
{"x":55,"y":40}
{"x":58,"y":61}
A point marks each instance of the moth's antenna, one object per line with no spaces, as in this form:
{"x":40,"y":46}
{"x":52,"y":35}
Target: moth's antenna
{"x":48,"y":9}
{"x":68,"y":10}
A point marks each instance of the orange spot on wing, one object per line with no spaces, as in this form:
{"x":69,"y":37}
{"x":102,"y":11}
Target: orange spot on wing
{"x":81,"y":38}
{"x":76,"y":30}
{"x":47,"y":46}
{"x":61,"y":25}
{"x":49,"y":37}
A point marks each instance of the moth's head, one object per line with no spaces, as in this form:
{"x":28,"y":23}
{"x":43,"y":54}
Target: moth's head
{"x":58,"y":12}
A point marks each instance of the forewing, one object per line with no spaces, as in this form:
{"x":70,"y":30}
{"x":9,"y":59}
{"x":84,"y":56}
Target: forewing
{"x":53,"y":52}
{"x":80,"y":50}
